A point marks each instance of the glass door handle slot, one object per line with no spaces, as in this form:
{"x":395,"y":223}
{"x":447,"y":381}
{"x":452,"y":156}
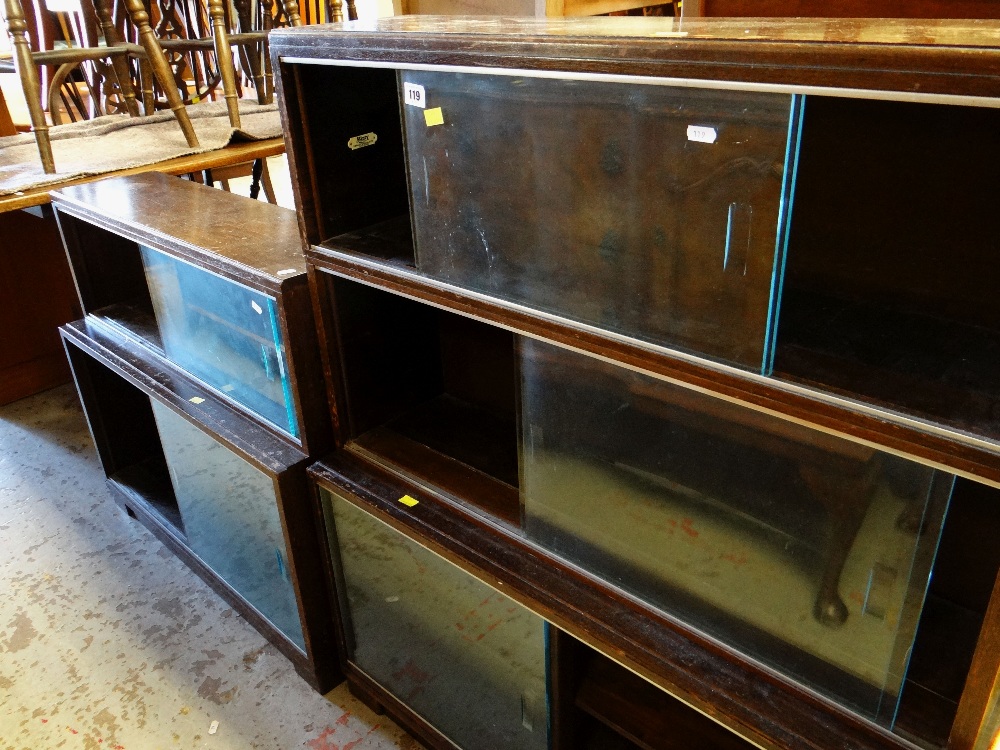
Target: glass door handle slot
{"x":282,"y":569}
{"x":739,"y":221}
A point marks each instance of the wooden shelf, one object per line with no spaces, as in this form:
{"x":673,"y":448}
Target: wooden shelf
{"x":648,"y":717}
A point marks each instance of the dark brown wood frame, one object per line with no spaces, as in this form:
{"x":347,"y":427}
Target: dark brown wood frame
{"x":979,"y":461}
{"x":245,"y":241}
{"x":839,"y":57}
{"x":834,"y":64}
{"x":285,"y":465}
{"x":928,"y":62}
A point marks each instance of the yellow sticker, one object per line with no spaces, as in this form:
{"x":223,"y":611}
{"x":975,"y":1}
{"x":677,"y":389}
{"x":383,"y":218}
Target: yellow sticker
{"x":434,"y":116}
{"x":196,"y":400}
{"x":408,"y":501}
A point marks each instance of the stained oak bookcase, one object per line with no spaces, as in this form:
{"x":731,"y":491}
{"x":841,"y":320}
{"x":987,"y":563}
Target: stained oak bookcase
{"x":681,"y":335}
{"x":198,"y":370}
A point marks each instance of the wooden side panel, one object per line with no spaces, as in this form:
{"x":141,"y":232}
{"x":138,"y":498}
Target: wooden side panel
{"x":37,"y":296}
{"x":982,"y":681}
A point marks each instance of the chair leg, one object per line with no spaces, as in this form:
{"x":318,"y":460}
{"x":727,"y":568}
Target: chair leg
{"x":17,"y":28}
{"x":260,"y":176}
{"x":119,"y":63}
{"x":224,"y":58}
{"x":291,"y":8}
{"x":161,"y":69}
{"x":146,"y":87}
{"x":265,"y":178}
{"x":251,"y":54}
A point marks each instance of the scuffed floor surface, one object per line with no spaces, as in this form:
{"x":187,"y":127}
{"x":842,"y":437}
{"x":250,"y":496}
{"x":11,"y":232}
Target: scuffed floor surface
{"x":108,"y":642}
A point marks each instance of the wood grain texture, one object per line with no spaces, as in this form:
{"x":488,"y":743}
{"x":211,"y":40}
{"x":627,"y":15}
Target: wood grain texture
{"x":302,"y":350}
{"x":809,"y":407}
{"x":211,"y":228}
{"x":929,"y":57}
{"x":157,"y":377}
{"x":247,"y":242}
{"x":6,"y":123}
{"x":982,"y":681}
{"x":650,"y":718}
{"x":941,"y":61}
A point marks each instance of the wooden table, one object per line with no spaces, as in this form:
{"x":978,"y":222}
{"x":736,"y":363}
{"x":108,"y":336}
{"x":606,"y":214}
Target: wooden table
{"x":36,"y":285}
{"x":239,"y":153}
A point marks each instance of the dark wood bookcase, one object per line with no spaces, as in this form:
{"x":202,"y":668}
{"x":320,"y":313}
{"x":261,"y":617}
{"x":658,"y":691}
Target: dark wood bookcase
{"x":225,"y":495}
{"x":198,"y":368}
{"x":162,"y":261}
{"x":629,"y":309}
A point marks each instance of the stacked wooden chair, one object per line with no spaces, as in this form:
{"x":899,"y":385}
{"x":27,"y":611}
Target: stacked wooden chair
{"x":119,"y":55}
{"x":174,"y":53}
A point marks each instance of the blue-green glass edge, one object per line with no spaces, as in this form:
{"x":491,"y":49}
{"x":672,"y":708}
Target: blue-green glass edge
{"x":926,"y":583}
{"x":293,"y":423}
{"x":792,"y":147}
{"x":279,"y":349}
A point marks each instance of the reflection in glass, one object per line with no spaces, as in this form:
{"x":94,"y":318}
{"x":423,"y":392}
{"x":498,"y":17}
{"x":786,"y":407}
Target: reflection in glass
{"x":231,"y":520}
{"x":807,"y":551}
{"x":652,"y":211}
{"x":466,"y":658}
{"x":224,"y":334}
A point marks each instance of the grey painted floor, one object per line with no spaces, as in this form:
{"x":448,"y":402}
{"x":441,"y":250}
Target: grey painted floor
{"x":108,"y":642}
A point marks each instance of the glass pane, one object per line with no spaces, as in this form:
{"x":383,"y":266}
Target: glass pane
{"x":224,"y":334}
{"x":652,"y":211}
{"x":463,"y":656}
{"x":231,"y":520}
{"x":803,"y":550}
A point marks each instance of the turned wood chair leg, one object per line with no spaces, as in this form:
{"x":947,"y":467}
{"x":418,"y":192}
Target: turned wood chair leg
{"x":291,"y":9}
{"x":17,"y":28}
{"x":224,"y":59}
{"x":250,"y":55}
{"x":146,"y":87}
{"x":161,"y":69}
{"x":847,"y":512}
{"x":119,"y":63}
{"x":265,"y":178}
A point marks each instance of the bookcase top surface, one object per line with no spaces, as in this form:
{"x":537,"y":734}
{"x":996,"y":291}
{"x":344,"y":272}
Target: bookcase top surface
{"x":983,"y":33}
{"x":919,"y":57}
{"x":193,"y":221}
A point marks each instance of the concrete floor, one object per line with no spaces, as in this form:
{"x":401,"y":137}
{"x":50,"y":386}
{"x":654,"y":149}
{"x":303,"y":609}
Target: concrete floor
{"x":107,"y":641}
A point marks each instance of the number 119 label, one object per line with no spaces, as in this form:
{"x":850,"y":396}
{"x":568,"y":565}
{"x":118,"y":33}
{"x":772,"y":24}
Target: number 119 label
{"x":414,"y":95}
